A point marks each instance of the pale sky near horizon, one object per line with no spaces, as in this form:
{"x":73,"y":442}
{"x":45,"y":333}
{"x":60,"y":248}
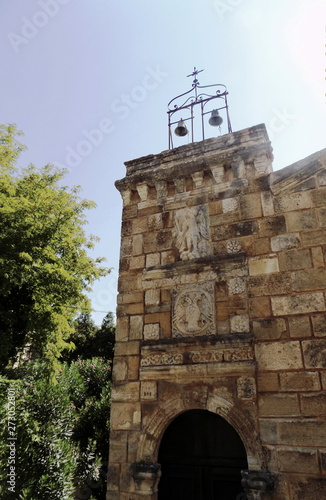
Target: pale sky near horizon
{"x":88,"y":82}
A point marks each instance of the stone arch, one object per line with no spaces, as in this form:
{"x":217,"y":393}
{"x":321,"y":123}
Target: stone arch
{"x":156,"y":425}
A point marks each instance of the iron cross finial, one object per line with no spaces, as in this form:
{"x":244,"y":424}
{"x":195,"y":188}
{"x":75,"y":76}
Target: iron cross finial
{"x":195,"y":73}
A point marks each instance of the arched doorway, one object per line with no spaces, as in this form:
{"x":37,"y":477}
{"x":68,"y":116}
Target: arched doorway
{"x":201,"y":457}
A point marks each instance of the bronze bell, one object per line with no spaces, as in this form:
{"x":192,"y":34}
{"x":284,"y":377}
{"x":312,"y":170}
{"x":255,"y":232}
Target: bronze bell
{"x":215,"y":119}
{"x":181,"y":130}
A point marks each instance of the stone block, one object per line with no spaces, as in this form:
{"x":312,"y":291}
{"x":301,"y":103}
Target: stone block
{"x":285,"y":242}
{"x":302,"y":433}
{"x":125,"y":416}
{"x":137,"y":262}
{"x":268,"y":382}
{"x":311,"y":488}
{"x":153,"y":259}
{"x":126,"y":348}
{"x":309,"y":279}
{"x":314,"y":353}
{"x":155,"y":222}
{"x":168,"y":257}
{"x":130,"y":297}
{"x":267,"y":203}
{"x":317,"y":257}
{"x":260,"y":307}
{"x":268,"y":431}
{"x":118,"y":446}
{"x":122,"y":329}
{"x":278,"y":405}
{"x":129,"y":212}
{"x":127,"y":283}
{"x":128,"y":391}
{"x":131,"y":308}
{"x":322,"y":216}
{"x":319,"y":325}
{"x":148,"y":391}
{"x":113,"y":478}
{"x":120,"y":369}
{"x":313,"y":405}
{"x":275,"y":356}
{"x":235,"y":230}
{"x":318,"y":197}
{"x":215,"y":207}
{"x":157,"y":241}
{"x":133,"y":368}
{"x":139,"y":225}
{"x":302,"y":220}
{"x":292,"y":201}
{"x":323,"y":380}
{"x":152,"y":331}
{"x":137,"y":245}
{"x":126,"y":247}
{"x":322,"y":455}
{"x":321,"y":177}
{"x":298,"y":304}
{"x":300,"y":381}
{"x":298,"y":461}
{"x":136,"y":327}
{"x":164,"y":319}
{"x":263,"y":265}
{"x":269,"y":285}
{"x":315,"y":237}
{"x":295,"y":259}
{"x":271,"y":226}
{"x":229,"y":205}
{"x":269,"y":329}
{"x":254,"y":246}
{"x":143,"y":191}
{"x":152,"y":297}
{"x":240,"y":324}
{"x":299,"y":326}
{"x":250,"y":206}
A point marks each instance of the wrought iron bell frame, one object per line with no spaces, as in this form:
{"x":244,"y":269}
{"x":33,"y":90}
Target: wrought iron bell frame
{"x":197,"y":96}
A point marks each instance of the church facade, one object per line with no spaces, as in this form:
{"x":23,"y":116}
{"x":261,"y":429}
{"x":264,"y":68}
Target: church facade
{"x":219,"y":372}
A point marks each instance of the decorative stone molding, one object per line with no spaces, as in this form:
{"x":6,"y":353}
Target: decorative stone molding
{"x":257,"y":484}
{"x":163,"y":415}
{"x":146,"y":476}
{"x":193,"y":310}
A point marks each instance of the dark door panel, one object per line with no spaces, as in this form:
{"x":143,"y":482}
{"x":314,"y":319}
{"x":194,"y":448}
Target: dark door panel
{"x":201,"y":456}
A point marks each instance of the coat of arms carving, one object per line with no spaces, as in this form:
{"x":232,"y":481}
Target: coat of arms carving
{"x":193,"y":311}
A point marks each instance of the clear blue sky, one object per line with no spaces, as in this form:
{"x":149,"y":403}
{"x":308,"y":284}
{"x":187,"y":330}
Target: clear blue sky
{"x":72,"y":66}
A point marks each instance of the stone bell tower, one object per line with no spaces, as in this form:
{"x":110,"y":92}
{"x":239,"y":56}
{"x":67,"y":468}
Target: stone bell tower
{"x":219,"y":368}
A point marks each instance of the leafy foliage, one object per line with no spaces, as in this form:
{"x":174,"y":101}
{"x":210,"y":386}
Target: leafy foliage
{"x":90,"y":340}
{"x":62,"y":431}
{"x":44,"y":267}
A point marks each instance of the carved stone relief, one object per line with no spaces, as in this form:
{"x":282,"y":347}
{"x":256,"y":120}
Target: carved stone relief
{"x":192,"y":232}
{"x":193,"y":310}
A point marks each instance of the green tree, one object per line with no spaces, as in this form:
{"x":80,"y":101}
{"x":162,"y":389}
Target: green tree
{"x":91,"y":340}
{"x":45,"y":270}
{"x":62,"y":431}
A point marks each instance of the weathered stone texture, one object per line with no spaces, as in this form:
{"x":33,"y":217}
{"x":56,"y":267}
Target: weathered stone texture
{"x":222,"y":307}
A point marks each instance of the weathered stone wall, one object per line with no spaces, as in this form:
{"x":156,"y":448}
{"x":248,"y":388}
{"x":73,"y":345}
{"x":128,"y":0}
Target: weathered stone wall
{"x":222,"y":307}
